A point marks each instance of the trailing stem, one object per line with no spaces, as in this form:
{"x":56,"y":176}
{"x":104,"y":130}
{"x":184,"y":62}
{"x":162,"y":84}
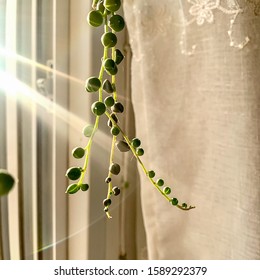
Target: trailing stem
{"x":105,"y":12}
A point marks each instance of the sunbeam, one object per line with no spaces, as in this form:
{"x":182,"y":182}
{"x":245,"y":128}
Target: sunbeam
{"x":19,"y":90}
{"x":14,"y":56}
{"x":15,"y":87}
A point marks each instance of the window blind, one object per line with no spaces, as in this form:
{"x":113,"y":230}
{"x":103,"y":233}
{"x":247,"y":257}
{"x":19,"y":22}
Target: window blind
{"x":47,"y":51}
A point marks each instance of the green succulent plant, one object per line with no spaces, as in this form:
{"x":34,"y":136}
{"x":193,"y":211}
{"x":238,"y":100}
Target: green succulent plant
{"x":105,"y":12}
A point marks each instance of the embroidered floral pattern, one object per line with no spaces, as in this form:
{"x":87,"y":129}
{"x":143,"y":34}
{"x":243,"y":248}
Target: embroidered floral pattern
{"x":202,"y":11}
{"x":200,"y":14}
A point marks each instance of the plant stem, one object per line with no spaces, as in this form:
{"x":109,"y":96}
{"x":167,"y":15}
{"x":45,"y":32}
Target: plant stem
{"x":142,"y":164}
{"x":88,"y":149}
{"x":100,"y":97}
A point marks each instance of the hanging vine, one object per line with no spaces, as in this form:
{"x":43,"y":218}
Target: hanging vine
{"x":105,"y":12}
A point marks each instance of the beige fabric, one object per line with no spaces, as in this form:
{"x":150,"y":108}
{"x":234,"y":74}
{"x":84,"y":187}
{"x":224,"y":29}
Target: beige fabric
{"x":199,"y":120}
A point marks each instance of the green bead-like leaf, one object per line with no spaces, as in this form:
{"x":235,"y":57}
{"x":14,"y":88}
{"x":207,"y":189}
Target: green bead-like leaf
{"x":107,"y":202}
{"x":112,"y":5}
{"x":98,"y":108}
{"x":114,"y":168}
{"x":110,"y":66}
{"x":109,"y":101}
{"x":117,"y":23}
{"x":107,"y":86}
{"x":114,"y":117}
{"x":151,"y":173}
{"x":84,"y":187}
{"x":73,"y":173}
{"x":115,"y":130}
{"x":116,"y":191}
{"x":73,"y":188}
{"x":160,"y":182}
{"x":167,"y":190}
{"x":119,"y":56}
{"x":108,"y":180}
{"x":118,"y":107}
{"x":88,"y":130}
{"x":109,"y":40}
{"x":174,"y":201}
{"x":100,"y":7}
{"x":136,"y":142}
{"x":122,"y":146}
{"x":95,"y":18}
{"x":6,"y":182}
{"x":78,"y":152}
{"x":139,"y":151}
{"x":93,"y":84}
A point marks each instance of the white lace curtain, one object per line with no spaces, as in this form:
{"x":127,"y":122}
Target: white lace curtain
{"x":196,"y":94}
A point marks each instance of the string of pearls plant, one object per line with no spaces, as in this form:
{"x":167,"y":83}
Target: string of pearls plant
{"x":104,"y":12}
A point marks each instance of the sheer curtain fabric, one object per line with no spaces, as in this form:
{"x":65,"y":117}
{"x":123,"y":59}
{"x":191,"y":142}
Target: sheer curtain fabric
{"x":196,"y":95}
